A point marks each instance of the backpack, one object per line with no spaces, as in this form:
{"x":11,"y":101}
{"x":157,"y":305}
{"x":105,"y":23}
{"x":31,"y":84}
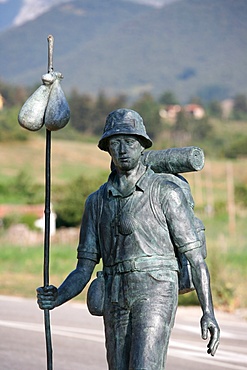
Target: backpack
{"x":185,"y":276}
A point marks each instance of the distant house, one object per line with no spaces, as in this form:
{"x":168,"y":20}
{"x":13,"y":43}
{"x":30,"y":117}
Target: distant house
{"x":170,"y":112}
{"x":195,"y":110}
{"x":1,"y":102}
{"x":227,"y":107}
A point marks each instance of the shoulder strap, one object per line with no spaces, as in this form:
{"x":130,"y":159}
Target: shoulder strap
{"x":155,"y":194}
{"x":100,"y":197}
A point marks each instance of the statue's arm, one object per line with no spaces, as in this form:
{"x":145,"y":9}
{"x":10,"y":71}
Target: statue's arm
{"x":201,"y":280}
{"x":51,"y":297}
{"x":88,"y":256}
{"x":76,"y":281}
{"x":181,"y":223}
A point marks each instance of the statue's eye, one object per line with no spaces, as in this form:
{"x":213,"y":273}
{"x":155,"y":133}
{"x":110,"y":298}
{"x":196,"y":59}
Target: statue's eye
{"x":130,"y":141}
{"x":114,"y":143}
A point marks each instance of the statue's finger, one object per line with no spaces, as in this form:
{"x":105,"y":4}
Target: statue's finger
{"x":204,"y":329}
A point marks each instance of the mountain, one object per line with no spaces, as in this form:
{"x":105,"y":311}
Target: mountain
{"x":192,"y":47}
{"x":17,"y":12}
{"x":8,"y":11}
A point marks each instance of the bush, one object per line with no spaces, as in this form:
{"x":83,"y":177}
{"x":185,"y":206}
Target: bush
{"x":69,"y":200}
{"x":9,"y":127}
{"x":237,"y":148}
{"x":27,"y":219}
{"x":241,"y":194}
{"x":11,"y":219}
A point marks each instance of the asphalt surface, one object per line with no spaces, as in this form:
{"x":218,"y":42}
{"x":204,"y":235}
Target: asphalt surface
{"x":78,"y":339}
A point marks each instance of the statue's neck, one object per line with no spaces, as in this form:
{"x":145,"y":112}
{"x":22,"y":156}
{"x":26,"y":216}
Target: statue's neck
{"x":125,"y":181}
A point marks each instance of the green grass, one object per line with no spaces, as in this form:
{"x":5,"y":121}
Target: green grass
{"x":69,"y":159}
{"x":21,"y":268}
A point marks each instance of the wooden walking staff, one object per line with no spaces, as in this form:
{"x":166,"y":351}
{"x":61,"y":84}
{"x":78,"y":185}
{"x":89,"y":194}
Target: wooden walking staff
{"x":46,"y":267}
{"x":46,"y":106}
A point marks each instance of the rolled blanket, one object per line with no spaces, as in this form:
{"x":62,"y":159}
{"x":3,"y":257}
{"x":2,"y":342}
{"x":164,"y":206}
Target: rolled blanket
{"x":175,"y":160}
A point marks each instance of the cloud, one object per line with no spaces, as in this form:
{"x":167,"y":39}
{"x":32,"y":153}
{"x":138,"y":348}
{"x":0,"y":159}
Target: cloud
{"x":31,"y":9}
{"x":155,"y":3}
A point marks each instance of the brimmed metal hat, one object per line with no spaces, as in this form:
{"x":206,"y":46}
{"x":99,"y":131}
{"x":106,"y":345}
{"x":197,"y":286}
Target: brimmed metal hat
{"x":124,"y":122}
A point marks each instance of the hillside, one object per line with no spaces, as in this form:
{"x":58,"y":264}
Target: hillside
{"x":69,"y":159}
{"x":192,"y":47}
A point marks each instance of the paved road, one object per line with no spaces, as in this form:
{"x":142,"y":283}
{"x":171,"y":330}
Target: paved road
{"x":78,"y":340}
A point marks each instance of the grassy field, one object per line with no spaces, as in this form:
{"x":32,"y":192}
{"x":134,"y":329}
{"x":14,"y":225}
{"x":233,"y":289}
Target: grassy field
{"x":69,"y":159}
{"x":21,"y":266}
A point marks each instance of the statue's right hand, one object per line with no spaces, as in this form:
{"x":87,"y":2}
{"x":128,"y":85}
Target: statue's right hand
{"x":46,"y":297}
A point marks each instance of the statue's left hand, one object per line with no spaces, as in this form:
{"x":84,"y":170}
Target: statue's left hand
{"x":209,"y":323}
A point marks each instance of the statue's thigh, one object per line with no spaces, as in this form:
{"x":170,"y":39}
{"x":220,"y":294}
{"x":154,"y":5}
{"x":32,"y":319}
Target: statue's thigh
{"x":151,"y":321}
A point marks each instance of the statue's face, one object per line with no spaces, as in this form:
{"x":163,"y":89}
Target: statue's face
{"x":125,"y":151}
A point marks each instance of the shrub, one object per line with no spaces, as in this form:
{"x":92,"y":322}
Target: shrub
{"x":69,"y":200}
{"x":27,"y":219}
{"x":237,"y":147}
{"x":241,"y":194}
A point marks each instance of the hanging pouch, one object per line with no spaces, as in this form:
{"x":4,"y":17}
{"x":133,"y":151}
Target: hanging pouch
{"x":96,"y":295}
{"x":31,"y":115}
{"x":57,"y":113}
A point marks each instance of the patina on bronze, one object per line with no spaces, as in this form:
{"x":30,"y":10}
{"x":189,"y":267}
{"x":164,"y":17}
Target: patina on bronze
{"x":46,"y":106}
{"x":138,"y":223}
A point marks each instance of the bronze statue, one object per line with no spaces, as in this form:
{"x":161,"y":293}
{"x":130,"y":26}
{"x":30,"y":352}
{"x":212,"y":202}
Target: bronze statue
{"x":139,"y":223}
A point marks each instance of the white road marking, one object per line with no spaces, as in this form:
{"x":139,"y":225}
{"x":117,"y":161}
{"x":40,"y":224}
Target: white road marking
{"x":225,"y":359}
{"x":86,"y":334}
{"x":190,"y":355}
{"x":223,"y":334}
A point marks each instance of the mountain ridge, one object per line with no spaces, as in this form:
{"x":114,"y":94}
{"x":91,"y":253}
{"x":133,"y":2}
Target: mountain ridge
{"x":16,"y":13}
{"x":191,"y":47}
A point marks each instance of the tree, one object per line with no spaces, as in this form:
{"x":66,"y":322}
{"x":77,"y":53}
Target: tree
{"x":180,"y":132}
{"x":69,"y":199}
{"x":168,"y":98}
{"x":81,"y":107}
{"x":215,"y":109}
{"x":13,"y":95}
{"x":200,"y":129}
{"x":88,"y":114}
{"x":148,"y":108}
{"x":9,"y":127}
{"x":240,"y":107}
{"x":103,"y":106}
{"x":237,"y":147}
{"x":196,"y":100}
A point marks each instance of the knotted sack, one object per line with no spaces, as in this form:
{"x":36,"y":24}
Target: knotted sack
{"x":57,"y":112}
{"x":31,"y":115}
{"x":47,"y":105}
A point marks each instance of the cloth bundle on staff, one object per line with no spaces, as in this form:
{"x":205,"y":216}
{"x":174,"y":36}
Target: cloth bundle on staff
{"x":46,"y":106}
